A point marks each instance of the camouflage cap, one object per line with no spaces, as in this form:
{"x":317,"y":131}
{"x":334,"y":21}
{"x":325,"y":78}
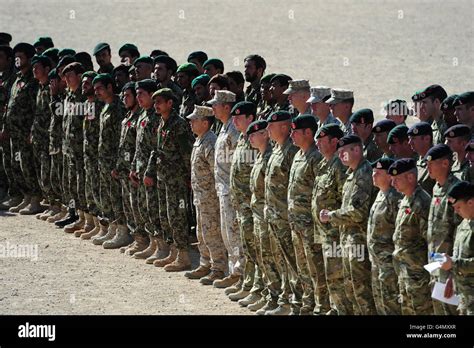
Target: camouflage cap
{"x":339,"y":95}
{"x":438,"y":151}
{"x":297,"y":86}
{"x":401,"y":166}
{"x":100,"y":47}
{"x":319,"y":94}
{"x":221,"y":97}
{"x":458,"y":130}
{"x":200,"y":112}
{"x":462,"y":190}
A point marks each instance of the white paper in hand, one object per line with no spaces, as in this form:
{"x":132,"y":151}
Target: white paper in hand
{"x":433,"y":266}
{"x":438,"y":294}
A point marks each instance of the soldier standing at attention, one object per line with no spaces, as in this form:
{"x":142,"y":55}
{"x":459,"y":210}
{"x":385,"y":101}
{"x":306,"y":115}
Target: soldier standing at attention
{"x":298,"y":94}
{"x":430,"y":100}
{"x":319,"y":108}
{"x":380,"y":131}
{"x":457,"y":138}
{"x":340,"y":104}
{"x":103,"y":57}
{"x":398,"y":143}
{"x":255,"y":67}
{"x":361,"y":125}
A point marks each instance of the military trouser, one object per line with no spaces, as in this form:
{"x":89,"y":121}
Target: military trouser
{"x":127,"y":203}
{"x":139,"y":208}
{"x":282,"y":233}
{"x":74,"y":180}
{"x":22,"y":160}
{"x":13,"y":188}
{"x":441,"y":308}
{"x":80,"y":189}
{"x":230,"y":235}
{"x":466,"y":298}
{"x":55,"y":175}
{"x":92,"y":186}
{"x":211,"y":246}
{"x":172,"y":196}
{"x":152,"y":216}
{"x":414,"y":290}
{"x":385,"y":289}
{"x":110,"y":196}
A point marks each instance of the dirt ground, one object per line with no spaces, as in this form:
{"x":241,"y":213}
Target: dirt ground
{"x":380,"y":49}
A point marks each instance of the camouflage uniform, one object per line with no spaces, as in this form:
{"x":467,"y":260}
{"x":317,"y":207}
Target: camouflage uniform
{"x":438,"y":127}
{"x":55,"y":131}
{"x":329,"y":120}
{"x":442,"y":223}
{"x":411,"y":253}
{"x":211,"y":246}
{"x":309,"y":256}
{"x":381,"y":227}
{"x":327,"y":194}
{"x":252,"y":93}
{"x":170,"y":160}
{"x":276,"y":216}
{"x":225,"y":145}
{"x":177,"y":91}
{"x":463,"y":271}
{"x":352,"y":218}
{"x":187,"y":105}
{"x":462,"y":170}
{"x":371,"y":150}
{"x":424,"y":179}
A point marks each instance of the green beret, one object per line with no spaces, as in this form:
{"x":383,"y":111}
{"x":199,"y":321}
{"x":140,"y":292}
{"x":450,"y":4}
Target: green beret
{"x":52,"y":53}
{"x":217,"y":63}
{"x":279,"y":116}
{"x":165,"y":93}
{"x":305,"y":121}
{"x":267,"y":78}
{"x":66,"y":60}
{"x":383,"y":126}
{"x":168,"y":61}
{"x":143,"y":59}
{"x":89,"y":74}
{"x":26,"y":48}
{"x":76,"y":67}
{"x":43,"y":60}
{"x":44,"y":41}
{"x":99,"y":47}
{"x":416,"y":96}
{"x":129,"y":47}
{"x":130,"y":85}
{"x":464,"y":98}
{"x":199,"y":55}
{"x":244,"y":108}
{"x":448,"y":103}
{"x":383,"y":163}
{"x":401,"y":166}
{"x":331,"y":129}
{"x":156,"y":53}
{"x":398,"y":133}
{"x":148,"y":85}
{"x":105,"y":79}
{"x":66,"y":52}
{"x":459,"y":130}
{"x":5,"y":39}
{"x":256,"y":126}
{"x":53,"y":74}
{"x":121,"y":67}
{"x":7,"y":49}
{"x":435,"y":91}
{"x":282,"y":79}
{"x":349,"y":139}
{"x":420,"y":128}
{"x":469,"y":147}
{"x":189,"y":68}
{"x":438,"y":151}
{"x":363,"y":116}
{"x":201,"y":80}
{"x":85,"y":59}
{"x":461,"y":190}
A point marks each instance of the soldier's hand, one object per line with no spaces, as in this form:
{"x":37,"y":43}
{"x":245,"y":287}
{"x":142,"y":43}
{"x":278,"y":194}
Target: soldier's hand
{"x":449,"y":290}
{"x":448,"y":264}
{"x":148,"y":181}
{"x":114,"y":174}
{"x":324,"y":215}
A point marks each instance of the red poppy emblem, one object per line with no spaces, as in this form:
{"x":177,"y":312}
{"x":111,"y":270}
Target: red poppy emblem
{"x":163,"y":133}
{"x":274,"y":117}
{"x":293,"y":126}
{"x":129,"y":124}
{"x":255,"y":127}
{"x":407,"y":211}
{"x":143,"y":124}
{"x":237,"y":112}
{"x":437,"y":201}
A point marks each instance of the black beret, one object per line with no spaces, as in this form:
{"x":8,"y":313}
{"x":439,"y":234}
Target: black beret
{"x":267,"y":78}
{"x":43,"y":60}
{"x":89,"y":74}
{"x":168,"y":61}
{"x":44,"y":41}
{"x":217,"y":63}
{"x":331,"y":129}
{"x":105,"y":79}
{"x":460,"y":190}
{"x":53,"y":74}
{"x":156,"y":53}
{"x":383,"y":126}
{"x":7,"y":49}
{"x":349,"y":139}
{"x":420,"y":128}
{"x":464,"y":98}
{"x":448,"y":103}
{"x":401,"y":166}
{"x":256,"y":126}
{"x":435,"y":91}
{"x":99,"y":47}
{"x":121,"y":67}
{"x":148,"y":85}
{"x":282,"y":79}
{"x":399,"y":133}
{"x":279,"y":116}
{"x":244,"y":108}
{"x":77,"y":67}
{"x":66,"y":52}
{"x":130,"y":48}
{"x":469,"y":147}
{"x":458,"y":130}
{"x":362,"y":116}
{"x":383,"y":163}
{"x":166,"y":93}
{"x":143,"y":59}
{"x":130,"y":85}
{"x":26,"y":48}
{"x":85,"y":59}
{"x":438,"y":151}
{"x":416,"y":96}
{"x":52,"y":53}
{"x":66,"y":60}
{"x":5,"y":38}
{"x":199,"y":55}
{"x":305,"y":121}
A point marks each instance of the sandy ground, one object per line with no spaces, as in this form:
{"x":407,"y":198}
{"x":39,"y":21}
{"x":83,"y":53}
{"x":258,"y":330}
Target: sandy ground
{"x":380,"y":49}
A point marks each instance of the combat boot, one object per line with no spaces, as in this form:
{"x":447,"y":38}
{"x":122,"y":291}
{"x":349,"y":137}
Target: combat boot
{"x":59,"y":216}
{"x":69,"y":219}
{"x":239,"y":295}
{"x":182,"y":262}
{"x":100,"y":238}
{"x":198,"y":273}
{"x":168,"y":259}
{"x":152,"y":246}
{"x":122,"y":238}
{"x":46,"y":212}
{"x":34,"y":207}
{"x":94,"y":231}
{"x":227,"y":281}
{"x":250,"y":299}
{"x":26,"y":200}
{"x":269,"y":306}
{"x":11,"y":202}
{"x":76,"y":225}
{"x":257,"y":305}
{"x":162,"y":250}
{"x":280,"y":310}
{"x":53,"y":210}
{"x":213,"y":276}
{"x":141,"y":243}
{"x":88,"y":225}
{"x":234,"y":288}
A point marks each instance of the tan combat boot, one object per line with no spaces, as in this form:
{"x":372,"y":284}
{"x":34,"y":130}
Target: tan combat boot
{"x":94,"y":231}
{"x":10,"y":202}
{"x":213,"y":276}
{"x":198,"y":273}
{"x":45,"y":213}
{"x":77,"y":225}
{"x":26,"y":200}
{"x":88,"y":226}
{"x":162,"y":250}
{"x":140,"y":244}
{"x":152,"y":246}
{"x":34,"y":207}
{"x":227,"y":281}
{"x":53,"y":210}
{"x":62,"y":213}
{"x":98,"y":239}
{"x":182,"y":262}
{"x":121,"y":238}
{"x":168,"y":259}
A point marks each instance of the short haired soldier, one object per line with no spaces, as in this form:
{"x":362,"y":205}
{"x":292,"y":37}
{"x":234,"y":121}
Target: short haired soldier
{"x":279,"y":84}
{"x":464,"y":110}
{"x":103,"y":57}
{"x":341,"y":104}
{"x":198,"y":58}
{"x":398,"y":142}
{"x":361,"y":124}
{"x":457,"y":137}
{"x":430,"y":99}
{"x":381,"y":130}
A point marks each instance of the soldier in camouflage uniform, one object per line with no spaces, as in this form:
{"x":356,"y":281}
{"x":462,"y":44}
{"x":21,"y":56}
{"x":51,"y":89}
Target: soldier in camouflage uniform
{"x":164,"y":68}
{"x":327,"y":195}
{"x":309,"y":256}
{"x":380,"y":132}
{"x":340,"y":104}
{"x":464,"y":111}
{"x":398,"y":143}
{"x":361,"y":124}
{"x":266,"y":103}
{"x":254,"y":66}
{"x":381,"y":226}
{"x":430,"y":100}
{"x":319,"y":108}
{"x":461,"y":196}
{"x":470,"y":157}
{"x":103,"y":57}
{"x":352,"y":216}
{"x":298,"y":92}
{"x":278,"y":85}
{"x":213,"y":257}
{"x":442,"y":220}
{"x":199,"y":86}
{"x":411,"y":249}
{"x":185,"y":74}
{"x":457,"y":137}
